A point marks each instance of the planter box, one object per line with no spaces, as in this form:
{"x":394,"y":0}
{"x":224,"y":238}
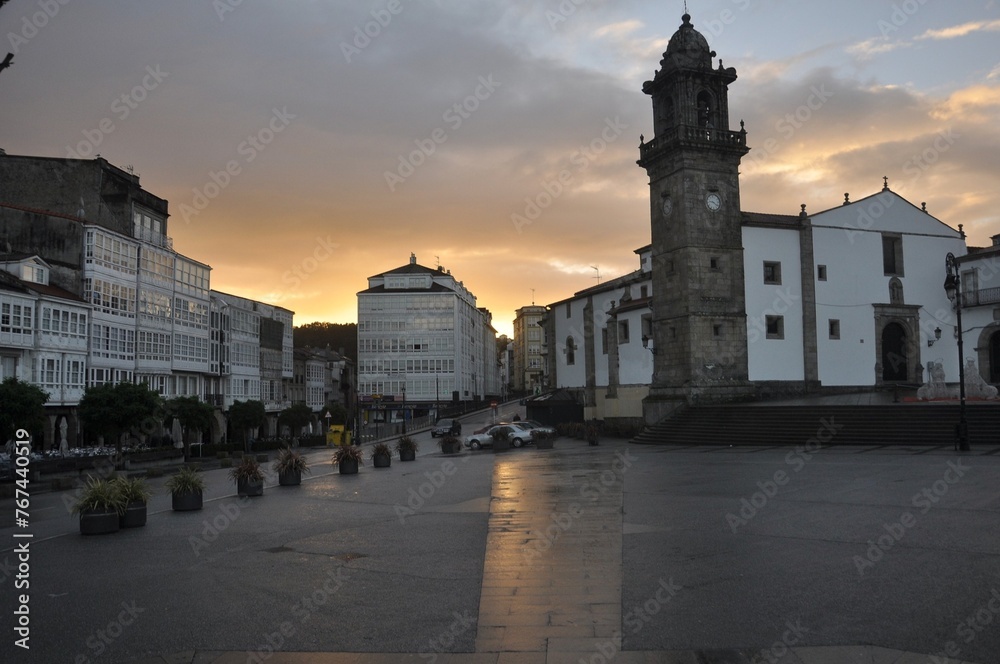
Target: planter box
{"x":382,"y":460}
{"x":348,"y":467}
{"x":451,"y":448}
{"x":407,"y":455}
{"x":290,"y":478}
{"x":250,"y":487}
{"x":186,"y":502}
{"x":134,"y":516}
{"x":99,"y":523}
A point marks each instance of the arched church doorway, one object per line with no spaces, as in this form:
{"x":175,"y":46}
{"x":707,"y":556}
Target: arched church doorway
{"x":894,"y":355}
{"x":995,"y":357}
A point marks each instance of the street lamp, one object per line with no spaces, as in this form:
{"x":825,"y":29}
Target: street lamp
{"x":953,"y":287}
{"x":404,"y":406}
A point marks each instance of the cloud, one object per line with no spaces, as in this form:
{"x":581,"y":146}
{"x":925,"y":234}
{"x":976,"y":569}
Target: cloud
{"x":961,"y":30}
{"x":869,"y":48}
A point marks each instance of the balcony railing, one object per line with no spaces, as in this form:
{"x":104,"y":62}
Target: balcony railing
{"x":981,"y":297}
{"x":693,"y":134}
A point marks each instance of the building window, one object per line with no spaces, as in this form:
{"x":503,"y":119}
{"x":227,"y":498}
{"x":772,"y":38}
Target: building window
{"x":772,"y":273}
{"x":821,"y":272}
{"x":623,"y":332}
{"x":604,"y":341}
{"x":713,"y":263}
{"x":716,"y":330}
{"x":775,"y":327}
{"x":569,"y":309}
{"x":644,"y":292}
{"x":892,"y":254}
{"x":834,"y":328}
{"x":570,"y":351}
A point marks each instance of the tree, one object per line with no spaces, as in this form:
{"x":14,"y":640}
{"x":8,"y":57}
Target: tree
{"x":111,"y":410}
{"x":192,"y":414}
{"x":22,"y":406}
{"x":295,"y":417}
{"x":334,"y":335}
{"x":338,"y":414}
{"x":246,"y":415}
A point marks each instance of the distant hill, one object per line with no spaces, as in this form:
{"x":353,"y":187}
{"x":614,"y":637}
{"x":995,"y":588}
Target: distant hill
{"x":336,"y":335}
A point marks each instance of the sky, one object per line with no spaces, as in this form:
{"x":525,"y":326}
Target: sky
{"x":306,"y":145}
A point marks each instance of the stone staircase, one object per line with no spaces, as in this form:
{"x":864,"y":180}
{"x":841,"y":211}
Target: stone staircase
{"x":890,"y":424}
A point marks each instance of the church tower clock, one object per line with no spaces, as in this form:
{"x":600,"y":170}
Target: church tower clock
{"x":699,"y":328}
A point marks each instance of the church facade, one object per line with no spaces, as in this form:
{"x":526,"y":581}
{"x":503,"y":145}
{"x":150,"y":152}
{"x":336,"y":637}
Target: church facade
{"x":728,"y":304}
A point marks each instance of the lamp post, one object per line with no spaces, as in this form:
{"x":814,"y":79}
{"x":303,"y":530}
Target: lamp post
{"x":953,"y":287}
{"x":404,"y":406}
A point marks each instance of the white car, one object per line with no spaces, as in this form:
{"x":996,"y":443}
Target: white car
{"x":518,"y":437}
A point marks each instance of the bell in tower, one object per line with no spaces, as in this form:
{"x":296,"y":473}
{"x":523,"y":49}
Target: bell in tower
{"x":699,"y":308}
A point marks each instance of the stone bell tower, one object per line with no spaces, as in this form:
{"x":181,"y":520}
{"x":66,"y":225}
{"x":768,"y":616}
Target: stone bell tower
{"x":699,"y":329}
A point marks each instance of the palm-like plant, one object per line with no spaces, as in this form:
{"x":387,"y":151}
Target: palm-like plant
{"x":248,"y":471}
{"x":290,"y":461}
{"x":99,"y":496}
{"x":188,"y":480}
{"x":348,"y":453}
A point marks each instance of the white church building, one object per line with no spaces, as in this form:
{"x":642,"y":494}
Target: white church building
{"x":727,"y":304}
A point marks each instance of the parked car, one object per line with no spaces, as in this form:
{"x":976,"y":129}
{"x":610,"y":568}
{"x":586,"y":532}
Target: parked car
{"x":518,"y":437}
{"x":535,"y":425}
{"x":447,"y":427}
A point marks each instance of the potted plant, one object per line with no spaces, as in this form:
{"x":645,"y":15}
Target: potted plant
{"x":99,"y":505}
{"x":186,"y":489}
{"x":248,"y":476}
{"x":135,"y":494}
{"x":450,"y":445}
{"x":348,"y":458}
{"x":290,"y":465}
{"x":381,"y":455}
{"x":407,"y":448}
{"x":501,"y":439}
{"x":544,"y":440}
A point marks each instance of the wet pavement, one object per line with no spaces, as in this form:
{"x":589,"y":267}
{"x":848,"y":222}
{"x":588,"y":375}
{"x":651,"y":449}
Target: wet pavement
{"x":577,"y":554}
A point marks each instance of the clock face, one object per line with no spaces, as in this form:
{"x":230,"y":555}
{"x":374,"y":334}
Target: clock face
{"x":713,"y":201}
{"x":668,"y":206}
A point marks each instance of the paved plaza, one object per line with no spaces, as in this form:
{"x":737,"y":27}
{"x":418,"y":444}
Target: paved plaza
{"x":578,"y":554}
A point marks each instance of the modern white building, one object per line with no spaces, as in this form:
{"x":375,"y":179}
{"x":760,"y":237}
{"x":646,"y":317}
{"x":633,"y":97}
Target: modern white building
{"x":96,"y":235}
{"x":422,"y":338}
{"x":43,"y":337}
{"x":528,"y":370}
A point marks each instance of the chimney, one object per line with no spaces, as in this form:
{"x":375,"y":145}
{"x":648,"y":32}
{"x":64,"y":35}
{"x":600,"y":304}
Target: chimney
{"x":413,"y":258}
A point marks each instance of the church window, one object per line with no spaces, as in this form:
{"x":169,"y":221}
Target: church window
{"x":713,"y":263}
{"x":834,"y":326}
{"x":772,"y":273}
{"x":604,"y":341}
{"x":623,"y":332}
{"x":570,"y":351}
{"x":821,"y":272}
{"x":717,"y":330}
{"x":775,"y":327}
{"x":892,"y":254}
{"x":569,"y":309}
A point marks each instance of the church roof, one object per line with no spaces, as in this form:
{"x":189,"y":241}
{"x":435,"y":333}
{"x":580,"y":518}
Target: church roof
{"x":688,"y":49}
{"x":768,"y":220}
